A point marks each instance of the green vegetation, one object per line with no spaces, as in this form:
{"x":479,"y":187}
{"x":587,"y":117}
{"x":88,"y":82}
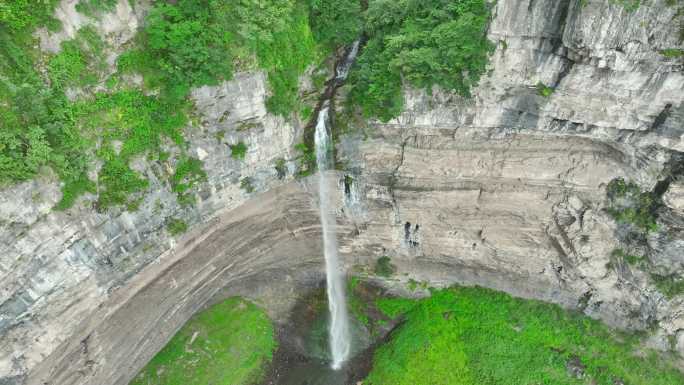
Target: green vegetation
{"x":281,"y":168}
{"x":285,"y":55}
{"x":306,"y":160}
{"x":336,"y":23}
{"x":80,"y":61}
{"x":631,"y":259}
{"x":192,"y":43}
{"x":73,"y":189}
{"x":384,"y":267}
{"x":478,"y":336}
{"x":247,"y":184}
{"x":422,"y":43}
{"x":672,"y":53}
{"x":119,"y":184}
{"x":93,"y":7}
{"x":20,"y":17}
{"x":670,"y":285}
{"x":357,"y":305}
{"x":185,"y":44}
{"x":238,"y":151}
{"x":394,"y":307}
{"x":230,"y":343}
{"x":189,"y":173}
{"x":306,"y":112}
{"x":35,"y":129}
{"x":628,"y":204}
{"x":629,"y":5}
{"x":544,"y":90}
{"x":40,"y":127}
{"x":136,"y":121}
{"x":176,"y":226}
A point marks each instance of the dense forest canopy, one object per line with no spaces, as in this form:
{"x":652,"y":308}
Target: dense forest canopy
{"x":422,"y":43}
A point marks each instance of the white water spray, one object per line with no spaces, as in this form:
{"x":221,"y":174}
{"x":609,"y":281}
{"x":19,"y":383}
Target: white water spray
{"x":339,"y":325}
{"x":343,"y":68}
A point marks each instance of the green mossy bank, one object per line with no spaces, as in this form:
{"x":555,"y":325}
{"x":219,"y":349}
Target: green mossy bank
{"x":230,"y":343}
{"x":476,"y":336}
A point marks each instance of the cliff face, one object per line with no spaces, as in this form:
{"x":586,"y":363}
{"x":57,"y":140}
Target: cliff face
{"x":509,"y":190}
{"x":506,"y":190}
{"x":516,"y":181}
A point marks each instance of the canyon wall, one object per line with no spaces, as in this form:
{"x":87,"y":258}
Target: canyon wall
{"x":505,"y":190}
{"x":508,"y":190}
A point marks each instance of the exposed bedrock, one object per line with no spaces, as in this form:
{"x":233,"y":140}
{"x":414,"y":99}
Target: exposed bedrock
{"x":506,"y":190}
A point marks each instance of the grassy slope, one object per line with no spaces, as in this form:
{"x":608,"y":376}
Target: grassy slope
{"x":478,"y":336}
{"x":235,"y":340}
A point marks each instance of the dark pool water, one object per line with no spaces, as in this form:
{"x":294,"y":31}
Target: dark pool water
{"x":303,"y":357}
{"x":312,"y":372}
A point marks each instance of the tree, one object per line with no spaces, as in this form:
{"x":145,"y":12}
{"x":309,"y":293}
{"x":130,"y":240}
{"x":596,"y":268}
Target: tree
{"x":335,"y":23}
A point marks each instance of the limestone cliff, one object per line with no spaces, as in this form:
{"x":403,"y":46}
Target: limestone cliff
{"x":505,"y":190}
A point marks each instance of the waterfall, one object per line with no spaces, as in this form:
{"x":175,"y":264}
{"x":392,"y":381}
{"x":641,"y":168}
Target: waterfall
{"x":343,"y":69}
{"x":337,"y":305}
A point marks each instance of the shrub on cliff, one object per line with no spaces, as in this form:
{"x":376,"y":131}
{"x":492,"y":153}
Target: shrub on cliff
{"x":384,"y":267}
{"x":176,"y":226}
{"x":37,"y":125}
{"x":238,"y":151}
{"x":628,"y":204}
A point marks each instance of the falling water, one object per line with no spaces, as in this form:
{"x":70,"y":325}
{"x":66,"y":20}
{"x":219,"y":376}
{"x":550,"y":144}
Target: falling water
{"x":339,"y":327}
{"x":343,"y":68}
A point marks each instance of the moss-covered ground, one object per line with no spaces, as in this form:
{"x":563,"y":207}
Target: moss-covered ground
{"x":229,"y":343}
{"x":464,"y":336}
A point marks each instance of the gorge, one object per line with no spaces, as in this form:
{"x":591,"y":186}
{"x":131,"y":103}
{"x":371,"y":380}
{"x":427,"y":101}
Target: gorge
{"x":558,"y":178}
